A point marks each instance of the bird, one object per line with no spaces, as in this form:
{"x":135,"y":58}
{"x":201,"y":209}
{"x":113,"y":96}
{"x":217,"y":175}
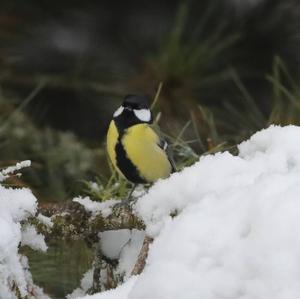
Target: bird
{"x":136,"y":150}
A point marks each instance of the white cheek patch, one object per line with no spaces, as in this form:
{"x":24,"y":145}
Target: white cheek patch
{"x":118,"y":111}
{"x":143,"y":114}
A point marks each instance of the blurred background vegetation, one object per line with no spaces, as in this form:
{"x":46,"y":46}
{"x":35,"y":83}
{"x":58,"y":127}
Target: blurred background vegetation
{"x":227,"y":67}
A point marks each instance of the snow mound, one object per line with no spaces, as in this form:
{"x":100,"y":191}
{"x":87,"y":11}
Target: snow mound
{"x":16,"y":205}
{"x":236,"y":233}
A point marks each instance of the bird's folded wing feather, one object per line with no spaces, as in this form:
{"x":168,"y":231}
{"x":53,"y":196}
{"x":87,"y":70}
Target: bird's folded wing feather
{"x":165,"y":146}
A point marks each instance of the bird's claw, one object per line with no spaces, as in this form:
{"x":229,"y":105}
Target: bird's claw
{"x":125,"y":203}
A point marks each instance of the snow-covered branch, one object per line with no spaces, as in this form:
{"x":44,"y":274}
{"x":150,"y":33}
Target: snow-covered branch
{"x":72,"y":220}
{"x":16,"y":207}
{"x":8,"y":171}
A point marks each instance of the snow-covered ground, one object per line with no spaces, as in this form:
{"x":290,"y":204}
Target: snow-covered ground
{"x":237,"y":229}
{"x":16,"y":205}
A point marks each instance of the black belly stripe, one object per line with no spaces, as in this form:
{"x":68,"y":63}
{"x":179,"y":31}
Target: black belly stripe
{"x":126,"y":166}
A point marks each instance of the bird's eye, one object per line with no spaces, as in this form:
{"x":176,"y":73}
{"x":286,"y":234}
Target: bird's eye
{"x":118,"y":111}
{"x":143,"y":114}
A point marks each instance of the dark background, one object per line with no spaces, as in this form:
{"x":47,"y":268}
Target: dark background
{"x":66,"y":65}
{"x":88,"y":51}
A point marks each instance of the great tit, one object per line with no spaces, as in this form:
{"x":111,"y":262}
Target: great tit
{"x":135,"y":149}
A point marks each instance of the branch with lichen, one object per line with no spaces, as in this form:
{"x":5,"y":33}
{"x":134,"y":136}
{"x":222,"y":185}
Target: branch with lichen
{"x":71,"y":221}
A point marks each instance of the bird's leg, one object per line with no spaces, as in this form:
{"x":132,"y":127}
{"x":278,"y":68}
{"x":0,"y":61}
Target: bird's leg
{"x":128,"y":200}
{"x":130,"y":193}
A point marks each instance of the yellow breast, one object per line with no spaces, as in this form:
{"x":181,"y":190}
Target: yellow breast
{"x":141,"y":145}
{"x":112,"y":139}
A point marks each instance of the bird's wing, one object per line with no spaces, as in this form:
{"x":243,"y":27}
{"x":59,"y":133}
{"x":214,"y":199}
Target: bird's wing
{"x":164,"y":145}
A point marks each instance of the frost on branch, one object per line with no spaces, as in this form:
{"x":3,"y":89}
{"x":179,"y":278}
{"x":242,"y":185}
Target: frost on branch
{"x":16,"y":206}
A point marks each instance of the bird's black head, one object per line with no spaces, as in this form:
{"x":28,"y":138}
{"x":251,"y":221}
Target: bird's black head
{"x":135,"y":102}
{"x":134,"y":110}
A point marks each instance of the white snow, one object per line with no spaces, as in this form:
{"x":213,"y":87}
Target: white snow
{"x":85,"y":285}
{"x":4,"y":174}
{"x":31,"y":238}
{"x":124,"y":245}
{"x":121,"y":293}
{"x":45,"y":220}
{"x":130,"y":252}
{"x":236,"y":234}
{"x":113,"y":241}
{"x":16,"y":205}
{"x":105,"y":207}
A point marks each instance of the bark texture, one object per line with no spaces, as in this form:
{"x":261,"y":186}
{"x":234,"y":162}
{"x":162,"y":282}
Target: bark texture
{"x":72,"y":221}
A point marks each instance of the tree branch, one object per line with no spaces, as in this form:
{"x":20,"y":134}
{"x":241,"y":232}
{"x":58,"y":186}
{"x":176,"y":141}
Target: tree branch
{"x":141,"y":261}
{"x":72,"y":221}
